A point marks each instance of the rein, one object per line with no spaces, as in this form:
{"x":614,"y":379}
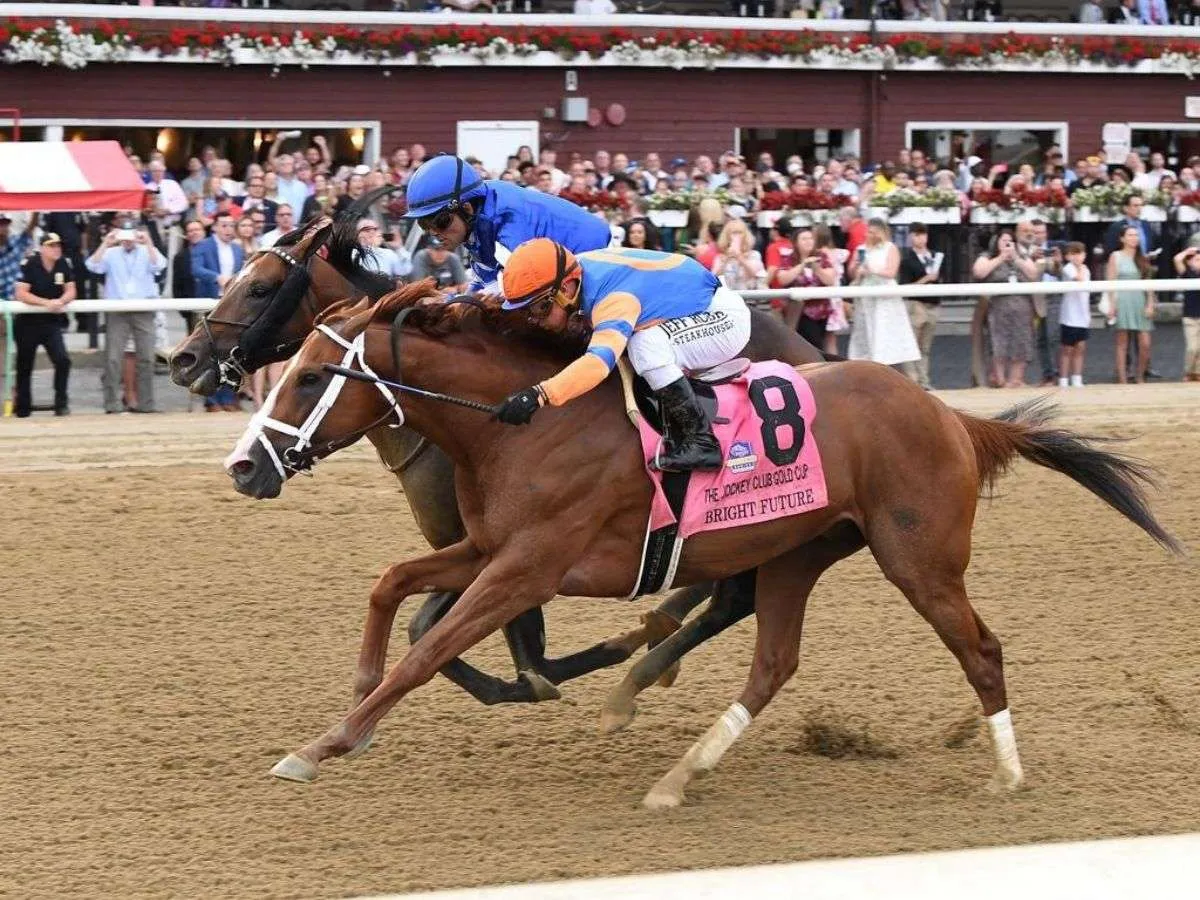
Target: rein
{"x":234,"y":368}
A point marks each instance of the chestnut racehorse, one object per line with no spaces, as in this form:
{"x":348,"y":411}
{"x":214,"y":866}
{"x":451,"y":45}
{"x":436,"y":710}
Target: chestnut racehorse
{"x":561,"y":506}
{"x":264,"y":315}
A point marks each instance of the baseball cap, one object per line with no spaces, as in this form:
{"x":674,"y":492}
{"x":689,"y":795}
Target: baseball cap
{"x":361,"y":170}
{"x":50,"y":238}
{"x":677,"y":162}
{"x":973,"y":161}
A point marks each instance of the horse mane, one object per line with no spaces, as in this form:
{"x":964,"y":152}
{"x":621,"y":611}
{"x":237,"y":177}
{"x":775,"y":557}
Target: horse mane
{"x":431,"y":315}
{"x":345,"y":253}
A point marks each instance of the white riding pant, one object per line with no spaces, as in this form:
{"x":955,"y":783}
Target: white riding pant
{"x":690,"y":344}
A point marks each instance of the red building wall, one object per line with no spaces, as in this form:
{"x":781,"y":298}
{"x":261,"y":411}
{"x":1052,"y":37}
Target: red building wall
{"x":685,"y":113}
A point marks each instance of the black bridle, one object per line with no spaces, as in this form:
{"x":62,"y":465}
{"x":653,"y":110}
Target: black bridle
{"x":241,"y":358}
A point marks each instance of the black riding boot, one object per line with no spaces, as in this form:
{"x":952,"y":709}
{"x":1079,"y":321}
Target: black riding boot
{"x":689,"y":440}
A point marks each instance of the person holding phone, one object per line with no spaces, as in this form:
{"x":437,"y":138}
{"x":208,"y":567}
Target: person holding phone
{"x":881,"y":330}
{"x":738,"y":264}
{"x":1009,"y":316}
{"x":130,"y":264}
{"x":812,"y":268}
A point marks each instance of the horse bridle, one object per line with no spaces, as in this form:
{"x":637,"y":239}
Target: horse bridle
{"x":233,"y":369}
{"x":300,"y":457}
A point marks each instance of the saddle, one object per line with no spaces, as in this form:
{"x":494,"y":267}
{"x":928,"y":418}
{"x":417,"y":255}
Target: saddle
{"x":772,"y":468}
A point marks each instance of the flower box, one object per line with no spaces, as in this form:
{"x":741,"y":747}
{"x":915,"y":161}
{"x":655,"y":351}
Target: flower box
{"x":668,"y":218}
{"x":1187,"y":214}
{"x":981,"y":215}
{"x":1087,"y":214}
{"x":1153,"y":213}
{"x":907,"y":215}
{"x":768,"y":217}
{"x":804,"y":218}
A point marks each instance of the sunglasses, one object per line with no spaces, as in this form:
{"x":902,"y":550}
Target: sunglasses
{"x":439,"y":221}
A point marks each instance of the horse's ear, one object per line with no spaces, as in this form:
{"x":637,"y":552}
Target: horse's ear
{"x":318,"y":233}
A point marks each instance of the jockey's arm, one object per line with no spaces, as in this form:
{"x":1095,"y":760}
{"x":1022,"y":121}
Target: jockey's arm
{"x":614,"y":319}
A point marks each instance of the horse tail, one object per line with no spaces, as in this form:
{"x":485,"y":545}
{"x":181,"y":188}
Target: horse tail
{"x":1120,"y":481}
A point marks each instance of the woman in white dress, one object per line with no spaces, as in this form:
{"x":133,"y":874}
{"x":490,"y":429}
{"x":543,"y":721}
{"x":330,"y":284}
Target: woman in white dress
{"x":881,"y":330}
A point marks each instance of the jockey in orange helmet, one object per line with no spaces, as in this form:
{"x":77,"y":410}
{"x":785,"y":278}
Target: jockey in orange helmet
{"x":670,"y":311}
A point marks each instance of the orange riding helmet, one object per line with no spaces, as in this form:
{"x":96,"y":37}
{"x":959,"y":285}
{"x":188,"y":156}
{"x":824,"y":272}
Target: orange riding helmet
{"x":535,"y":271}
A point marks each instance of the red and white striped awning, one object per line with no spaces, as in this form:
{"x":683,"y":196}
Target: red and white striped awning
{"x":56,"y":177}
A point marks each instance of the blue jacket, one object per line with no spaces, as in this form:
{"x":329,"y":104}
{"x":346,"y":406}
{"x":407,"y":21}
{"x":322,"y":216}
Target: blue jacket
{"x":206,"y":266}
{"x":510,"y":215}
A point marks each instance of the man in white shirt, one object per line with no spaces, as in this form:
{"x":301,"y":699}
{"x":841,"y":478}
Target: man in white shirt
{"x":396,"y":264}
{"x":285,"y":221}
{"x":129,"y":262}
{"x":291,"y":190}
{"x":170,"y":195}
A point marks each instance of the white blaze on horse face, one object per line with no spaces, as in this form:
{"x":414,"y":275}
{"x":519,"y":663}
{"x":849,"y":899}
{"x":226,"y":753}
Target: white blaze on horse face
{"x":254,"y":430}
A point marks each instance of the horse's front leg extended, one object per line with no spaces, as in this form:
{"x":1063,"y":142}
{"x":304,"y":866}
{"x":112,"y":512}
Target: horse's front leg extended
{"x":449,"y":569}
{"x":508,"y":586}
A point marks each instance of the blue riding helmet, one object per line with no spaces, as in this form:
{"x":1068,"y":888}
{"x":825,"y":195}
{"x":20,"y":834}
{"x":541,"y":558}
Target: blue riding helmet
{"x":441,"y":183}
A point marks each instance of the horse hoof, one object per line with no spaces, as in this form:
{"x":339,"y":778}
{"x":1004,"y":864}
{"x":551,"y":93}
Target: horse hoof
{"x":1006,"y":783}
{"x":662,"y":798}
{"x":361,"y":747}
{"x":295,"y":767}
{"x":542,"y":689}
{"x":614,"y":720}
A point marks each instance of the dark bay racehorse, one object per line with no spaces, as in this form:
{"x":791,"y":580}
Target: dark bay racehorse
{"x":903,"y":473}
{"x":267,"y":312}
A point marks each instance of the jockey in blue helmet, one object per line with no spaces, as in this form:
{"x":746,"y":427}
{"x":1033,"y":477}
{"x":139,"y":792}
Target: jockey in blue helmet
{"x":454,"y":204}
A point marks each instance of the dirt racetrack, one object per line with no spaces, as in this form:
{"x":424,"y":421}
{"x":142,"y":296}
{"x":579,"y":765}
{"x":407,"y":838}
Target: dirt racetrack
{"x":165,"y":641}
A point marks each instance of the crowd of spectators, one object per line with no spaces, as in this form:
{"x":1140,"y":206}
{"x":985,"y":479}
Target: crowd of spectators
{"x":224,"y":216}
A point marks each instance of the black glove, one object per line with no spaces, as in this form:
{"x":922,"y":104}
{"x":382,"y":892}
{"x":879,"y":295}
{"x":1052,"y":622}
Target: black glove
{"x":520,"y":407}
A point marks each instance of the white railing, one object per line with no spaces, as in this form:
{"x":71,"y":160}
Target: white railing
{"x":946,"y":292}
{"x":560,"y":20}
{"x":845,"y":292}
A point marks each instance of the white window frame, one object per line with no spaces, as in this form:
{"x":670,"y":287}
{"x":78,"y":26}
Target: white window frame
{"x":372,"y":130}
{"x":1063,"y":130}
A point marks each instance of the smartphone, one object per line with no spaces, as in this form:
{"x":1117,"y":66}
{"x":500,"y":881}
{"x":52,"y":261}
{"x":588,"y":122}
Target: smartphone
{"x":861,"y":254}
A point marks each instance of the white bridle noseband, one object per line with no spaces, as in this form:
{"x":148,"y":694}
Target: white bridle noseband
{"x":262,"y":421}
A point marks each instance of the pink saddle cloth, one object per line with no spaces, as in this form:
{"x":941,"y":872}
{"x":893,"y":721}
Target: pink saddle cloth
{"x":772,"y":467}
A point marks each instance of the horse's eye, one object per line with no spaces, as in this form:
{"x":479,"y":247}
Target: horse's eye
{"x":310,"y":379}
{"x":258,"y":289}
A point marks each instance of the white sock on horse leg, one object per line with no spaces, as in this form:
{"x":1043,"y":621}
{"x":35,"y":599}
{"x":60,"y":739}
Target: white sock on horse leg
{"x":1009,"y":773}
{"x":702,"y":756}
{"x":707,"y":751}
